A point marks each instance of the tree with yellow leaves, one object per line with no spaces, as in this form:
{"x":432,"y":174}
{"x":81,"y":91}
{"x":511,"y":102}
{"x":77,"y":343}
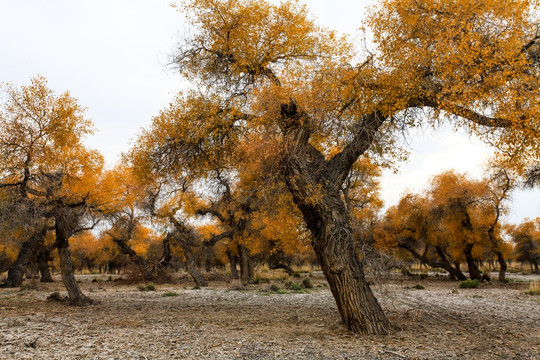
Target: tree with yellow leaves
{"x":526,"y":237}
{"x":47,"y":172}
{"x":269,"y":69}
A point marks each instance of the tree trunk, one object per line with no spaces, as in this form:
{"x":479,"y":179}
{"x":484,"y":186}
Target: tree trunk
{"x":315,"y":184}
{"x":233,"y":260}
{"x":334,"y":246}
{"x":76,"y":297}
{"x":43,"y":256}
{"x":344,"y":272}
{"x":191,"y":267}
{"x":16,"y":272}
{"x":185,"y":238}
{"x":144,"y":269}
{"x":246,"y":273}
{"x":504,"y":266}
{"x":474,"y":272}
{"x":63,"y":232}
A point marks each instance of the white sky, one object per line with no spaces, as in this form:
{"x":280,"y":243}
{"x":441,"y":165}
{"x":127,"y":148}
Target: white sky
{"x":111,"y":55}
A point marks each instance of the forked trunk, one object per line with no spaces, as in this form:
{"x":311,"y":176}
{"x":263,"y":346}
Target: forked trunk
{"x":315,"y":184}
{"x":185,"y":238}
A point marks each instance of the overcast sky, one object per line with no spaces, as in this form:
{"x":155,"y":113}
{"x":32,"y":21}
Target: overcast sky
{"x":112,"y":55}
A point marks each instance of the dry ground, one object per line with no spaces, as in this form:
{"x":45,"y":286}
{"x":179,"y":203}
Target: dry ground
{"x":439,"y":322}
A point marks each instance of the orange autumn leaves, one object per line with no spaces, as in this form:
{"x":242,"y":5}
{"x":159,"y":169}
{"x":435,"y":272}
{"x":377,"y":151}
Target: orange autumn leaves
{"x":455,"y":212}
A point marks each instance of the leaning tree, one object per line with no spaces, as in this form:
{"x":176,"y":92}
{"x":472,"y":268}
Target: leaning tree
{"x":50,"y":175}
{"x":271,"y":70}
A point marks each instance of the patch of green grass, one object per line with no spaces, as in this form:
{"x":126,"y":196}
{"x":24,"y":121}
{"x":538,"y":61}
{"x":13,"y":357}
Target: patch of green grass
{"x":274,"y":287}
{"x":147,"y":287}
{"x":170,"y":294}
{"x":281,"y":291}
{"x":477,"y":297}
{"x":306,"y":283}
{"x":469,"y":284}
{"x":294,"y":286}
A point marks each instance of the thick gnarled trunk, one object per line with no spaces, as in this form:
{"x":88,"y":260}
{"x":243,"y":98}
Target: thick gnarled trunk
{"x":358,"y":307}
{"x":315,"y":184}
{"x":333,"y":242}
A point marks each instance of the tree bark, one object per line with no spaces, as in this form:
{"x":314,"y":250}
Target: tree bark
{"x":190,"y":264}
{"x":233,"y":260}
{"x":43,"y":256}
{"x":64,"y":230}
{"x":474,"y":272}
{"x":245,"y":271}
{"x":333,"y":243}
{"x":315,"y":184}
{"x":504,"y":266}
{"x":16,"y":272}
{"x":359,"y":309}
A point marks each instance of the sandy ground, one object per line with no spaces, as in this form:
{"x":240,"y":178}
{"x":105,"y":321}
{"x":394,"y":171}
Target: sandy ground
{"x":439,"y":322}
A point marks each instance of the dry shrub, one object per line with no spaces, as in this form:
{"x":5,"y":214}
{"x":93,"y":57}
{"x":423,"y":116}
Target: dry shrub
{"x":236,"y":285}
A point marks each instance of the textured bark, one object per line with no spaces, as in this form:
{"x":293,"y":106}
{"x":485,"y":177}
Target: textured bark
{"x":315,"y":185}
{"x":64,"y":229}
{"x":359,"y":309}
{"x":333,"y":243}
{"x":16,"y":272}
{"x":474,"y":272}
